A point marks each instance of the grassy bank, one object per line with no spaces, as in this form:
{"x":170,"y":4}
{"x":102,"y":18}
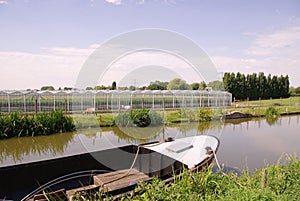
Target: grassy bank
{"x":18,"y":124}
{"x":275,"y":182}
{"x":259,"y":108}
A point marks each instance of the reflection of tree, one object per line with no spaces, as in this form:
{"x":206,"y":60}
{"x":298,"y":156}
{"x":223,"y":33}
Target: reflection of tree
{"x":137,"y":135}
{"x":17,"y":148}
{"x":271,"y":120}
{"x":200,"y":127}
{"x":237,"y":121}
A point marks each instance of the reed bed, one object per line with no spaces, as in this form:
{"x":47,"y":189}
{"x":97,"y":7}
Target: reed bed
{"x":16,"y":124}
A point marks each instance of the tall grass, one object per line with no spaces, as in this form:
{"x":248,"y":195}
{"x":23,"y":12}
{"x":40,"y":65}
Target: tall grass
{"x":17,"y":124}
{"x":276,"y":182}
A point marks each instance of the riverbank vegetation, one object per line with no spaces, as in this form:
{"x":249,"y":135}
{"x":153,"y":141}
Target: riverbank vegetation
{"x":275,"y":182}
{"x":23,"y":124}
{"x":16,"y":124}
{"x":257,"y":108}
{"x":140,"y":118}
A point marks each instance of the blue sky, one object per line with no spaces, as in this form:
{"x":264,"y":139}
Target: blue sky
{"x":47,"y":41}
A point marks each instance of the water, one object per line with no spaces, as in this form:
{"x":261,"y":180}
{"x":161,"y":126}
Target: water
{"x":247,"y":143}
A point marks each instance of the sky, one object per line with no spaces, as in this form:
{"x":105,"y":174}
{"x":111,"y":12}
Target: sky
{"x":46,"y":42}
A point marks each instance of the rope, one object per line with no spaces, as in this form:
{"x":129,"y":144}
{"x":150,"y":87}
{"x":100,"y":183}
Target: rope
{"x":127,"y":173}
{"x":135,"y":158}
{"x":216,"y":158}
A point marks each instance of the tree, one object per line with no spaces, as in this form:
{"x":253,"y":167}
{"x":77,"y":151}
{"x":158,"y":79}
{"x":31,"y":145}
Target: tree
{"x":50,"y":88}
{"x":122,"y":88}
{"x":216,"y":85}
{"x":132,"y":88}
{"x":157,"y":85}
{"x":68,"y":88}
{"x":286,"y":86}
{"x":274,"y":87}
{"x":89,"y":88}
{"x":297,"y":90}
{"x":262,"y":85}
{"x":255,"y":87}
{"x":114,"y":86}
{"x":178,"y":84}
{"x":195,"y":86}
{"x":102,"y":87}
{"x":202,"y":85}
{"x":240,"y":86}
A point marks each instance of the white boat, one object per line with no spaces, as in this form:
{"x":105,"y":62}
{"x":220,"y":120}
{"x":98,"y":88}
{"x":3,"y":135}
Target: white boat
{"x":158,"y":159}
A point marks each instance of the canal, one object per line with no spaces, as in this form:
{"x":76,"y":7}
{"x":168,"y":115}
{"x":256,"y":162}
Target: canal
{"x":245,"y":143}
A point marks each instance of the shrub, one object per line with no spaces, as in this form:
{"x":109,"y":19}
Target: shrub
{"x":17,"y":124}
{"x":139,"y":118}
{"x":272,"y":112}
{"x":205,"y":115}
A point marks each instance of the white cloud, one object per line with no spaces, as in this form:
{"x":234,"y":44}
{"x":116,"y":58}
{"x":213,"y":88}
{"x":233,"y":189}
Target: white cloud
{"x":116,"y":2}
{"x":3,"y":2}
{"x":277,"y":53}
{"x":59,"y":66}
{"x":55,"y":66}
{"x":136,"y":67}
{"x":119,"y":2}
{"x":280,"y":43}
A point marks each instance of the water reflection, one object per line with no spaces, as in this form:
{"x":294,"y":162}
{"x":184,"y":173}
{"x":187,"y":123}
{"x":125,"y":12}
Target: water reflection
{"x":256,"y":143}
{"x":245,"y":143}
{"x":272,"y":120}
{"x":17,"y":148}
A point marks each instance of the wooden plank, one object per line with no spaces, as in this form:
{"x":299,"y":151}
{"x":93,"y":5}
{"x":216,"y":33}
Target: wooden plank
{"x":55,"y":195}
{"x":119,"y":179}
{"x":87,"y":190}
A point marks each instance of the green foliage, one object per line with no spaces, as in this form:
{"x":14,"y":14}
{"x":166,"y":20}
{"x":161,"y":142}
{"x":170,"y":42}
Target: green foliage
{"x":205,"y":115}
{"x":195,"y":86}
{"x":202,"y":85}
{"x":255,"y":86}
{"x":50,"y":88}
{"x":272,"y":112}
{"x":16,"y":124}
{"x":139,"y":118}
{"x":216,"y":85}
{"x":114,"y":86}
{"x":178,"y":84}
{"x":281,"y":182}
{"x":157,"y":85}
{"x":195,"y":115}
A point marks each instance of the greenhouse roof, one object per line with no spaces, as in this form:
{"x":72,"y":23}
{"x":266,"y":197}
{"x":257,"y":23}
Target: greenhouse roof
{"x":92,"y":92}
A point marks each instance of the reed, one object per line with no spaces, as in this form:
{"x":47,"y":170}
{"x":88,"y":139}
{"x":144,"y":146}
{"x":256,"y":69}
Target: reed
{"x":17,"y":124}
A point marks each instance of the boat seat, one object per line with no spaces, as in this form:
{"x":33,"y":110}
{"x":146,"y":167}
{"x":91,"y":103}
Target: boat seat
{"x":55,"y":195}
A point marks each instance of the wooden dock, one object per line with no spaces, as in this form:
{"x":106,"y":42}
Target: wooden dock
{"x":119,"y":180}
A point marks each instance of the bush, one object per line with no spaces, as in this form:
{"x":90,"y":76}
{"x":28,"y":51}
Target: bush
{"x":272,"y":112}
{"x":205,"y":115}
{"x":139,"y":118}
{"x":17,"y":124}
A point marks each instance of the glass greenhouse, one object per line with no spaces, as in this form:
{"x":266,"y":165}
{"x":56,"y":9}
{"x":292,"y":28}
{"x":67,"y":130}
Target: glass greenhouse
{"x":110,"y":100}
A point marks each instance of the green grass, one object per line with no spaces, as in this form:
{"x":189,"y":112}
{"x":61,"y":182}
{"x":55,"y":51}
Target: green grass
{"x":275,"y":182}
{"x":255,"y":108}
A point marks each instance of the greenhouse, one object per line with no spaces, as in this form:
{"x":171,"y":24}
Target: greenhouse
{"x":110,"y":100}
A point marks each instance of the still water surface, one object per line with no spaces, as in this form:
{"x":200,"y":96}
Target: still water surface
{"x":247,"y":143}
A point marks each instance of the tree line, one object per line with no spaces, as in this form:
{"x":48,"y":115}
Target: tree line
{"x":252,"y":86}
{"x":255,"y":86}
